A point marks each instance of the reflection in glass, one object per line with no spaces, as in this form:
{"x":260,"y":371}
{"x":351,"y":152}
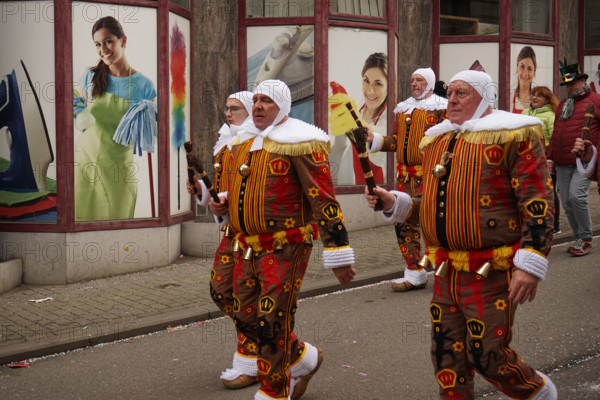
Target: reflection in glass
{"x":371,"y":8}
{"x":279,"y":8}
{"x":532,"y":16}
{"x":469,"y":17}
{"x":182,"y":3}
{"x":592,"y":26}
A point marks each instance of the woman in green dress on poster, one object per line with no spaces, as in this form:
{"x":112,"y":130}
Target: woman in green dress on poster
{"x":106,"y":174}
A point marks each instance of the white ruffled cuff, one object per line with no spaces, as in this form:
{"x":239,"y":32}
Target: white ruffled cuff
{"x":588,"y":169}
{"x":242,"y":365}
{"x":307,"y":363}
{"x":377,"y":143}
{"x":531,"y":263}
{"x":204,"y":195}
{"x":402,"y":206}
{"x":335,"y":257}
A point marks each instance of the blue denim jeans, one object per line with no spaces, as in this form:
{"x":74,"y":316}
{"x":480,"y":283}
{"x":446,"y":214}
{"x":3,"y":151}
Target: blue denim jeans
{"x":574,"y":188}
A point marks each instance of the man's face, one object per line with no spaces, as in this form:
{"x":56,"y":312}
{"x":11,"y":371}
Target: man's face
{"x":264,"y":111}
{"x":575,"y":86}
{"x":418,"y":84}
{"x":462,"y":102}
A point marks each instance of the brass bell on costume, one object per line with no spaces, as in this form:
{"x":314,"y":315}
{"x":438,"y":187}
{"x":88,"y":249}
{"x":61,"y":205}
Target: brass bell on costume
{"x":244,"y":170}
{"x":484,"y":270}
{"x":442,"y":269}
{"x":425,"y":263}
{"x":248,"y":254}
{"x":278,"y":246}
{"x":235,"y":247}
{"x":217,"y":167}
{"x":228,"y":231}
{"x":408,"y":120}
{"x":439,"y":171}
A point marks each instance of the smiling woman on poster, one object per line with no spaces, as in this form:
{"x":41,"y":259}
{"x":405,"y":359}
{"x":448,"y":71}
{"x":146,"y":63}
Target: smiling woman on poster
{"x":105,"y":172}
{"x":374,"y":88}
{"x":526,"y":69}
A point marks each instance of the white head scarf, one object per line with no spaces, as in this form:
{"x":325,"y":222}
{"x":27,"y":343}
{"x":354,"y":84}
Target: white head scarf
{"x":227,"y":133}
{"x":429,"y":76}
{"x":244,"y":97}
{"x":483,"y":84}
{"x":280,"y":93}
{"x":433,"y":102}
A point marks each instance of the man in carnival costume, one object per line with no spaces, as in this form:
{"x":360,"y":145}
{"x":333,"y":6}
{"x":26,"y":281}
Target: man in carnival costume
{"x":414,"y":116}
{"x":238,"y":109}
{"x":486,"y":218}
{"x":280,"y":196}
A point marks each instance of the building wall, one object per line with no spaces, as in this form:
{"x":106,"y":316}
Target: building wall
{"x":215,"y":74}
{"x":568,"y":38}
{"x":414,"y":24}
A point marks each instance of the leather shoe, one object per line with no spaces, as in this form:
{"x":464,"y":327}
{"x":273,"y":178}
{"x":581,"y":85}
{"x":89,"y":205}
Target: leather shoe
{"x":240,"y":382}
{"x":302,"y":383}
{"x":407,"y":286}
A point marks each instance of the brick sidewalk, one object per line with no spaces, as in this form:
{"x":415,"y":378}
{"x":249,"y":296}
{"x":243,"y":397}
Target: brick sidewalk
{"x":41,"y":320}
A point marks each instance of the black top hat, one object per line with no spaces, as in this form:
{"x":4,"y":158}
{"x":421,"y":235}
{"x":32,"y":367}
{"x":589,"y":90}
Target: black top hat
{"x":570,"y":73}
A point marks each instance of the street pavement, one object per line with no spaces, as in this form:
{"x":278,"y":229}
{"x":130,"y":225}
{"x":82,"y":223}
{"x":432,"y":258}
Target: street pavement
{"x":376,"y":346}
{"x":37,"y":321}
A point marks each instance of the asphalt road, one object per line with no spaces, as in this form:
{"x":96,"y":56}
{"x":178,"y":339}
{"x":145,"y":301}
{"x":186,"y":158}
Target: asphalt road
{"x":376,"y":346}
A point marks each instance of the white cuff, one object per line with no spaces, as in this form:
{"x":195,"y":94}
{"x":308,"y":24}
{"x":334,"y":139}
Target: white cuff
{"x":415,"y":277}
{"x":242,"y":365}
{"x":377,"y":143}
{"x":334,"y":257}
{"x":401,"y":208}
{"x":224,"y":220}
{"x":307,"y":363}
{"x":531,"y":263}
{"x":590,"y":167}
{"x":202,"y":197}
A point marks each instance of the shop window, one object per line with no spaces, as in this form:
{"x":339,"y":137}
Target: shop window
{"x":592,"y":24}
{"x":279,"y":8}
{"x":469,"y":17}
{"x":532,"y":16}
{"x":182,"y":3}
{"x":371,"y":8}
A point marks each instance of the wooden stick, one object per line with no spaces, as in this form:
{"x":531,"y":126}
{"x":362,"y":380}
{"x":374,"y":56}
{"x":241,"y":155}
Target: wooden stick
{"x":358,"y":138}
{"x":194,"y":164}
{"x":587,"y":123}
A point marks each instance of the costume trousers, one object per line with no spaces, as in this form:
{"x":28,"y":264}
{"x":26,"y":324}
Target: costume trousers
{"x":472,"y":330}
{"x":574,"y":189}
{"x":265,"y":294}
{"x":221,"y":291}
{"x":409,"y":235}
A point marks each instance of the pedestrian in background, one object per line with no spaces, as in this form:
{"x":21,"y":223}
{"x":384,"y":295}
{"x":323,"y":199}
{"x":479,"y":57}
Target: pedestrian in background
{"x":543,"y":105}
{"x":572,"y":185}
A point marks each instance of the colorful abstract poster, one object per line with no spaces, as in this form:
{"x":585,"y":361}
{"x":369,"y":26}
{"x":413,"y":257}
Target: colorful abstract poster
{"x":358,"y":70}
{"x":285,"y":53}
{"x":179,"y":84}
{"x":28,"y":159}
{"x":115,"y":70}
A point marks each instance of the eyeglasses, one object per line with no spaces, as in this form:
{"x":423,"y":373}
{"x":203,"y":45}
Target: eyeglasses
{"x":232,"y":110}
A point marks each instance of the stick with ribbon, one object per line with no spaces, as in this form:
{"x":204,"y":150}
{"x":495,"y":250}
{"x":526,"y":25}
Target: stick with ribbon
{"x":358,"y":138}
{"x":194,"y":164}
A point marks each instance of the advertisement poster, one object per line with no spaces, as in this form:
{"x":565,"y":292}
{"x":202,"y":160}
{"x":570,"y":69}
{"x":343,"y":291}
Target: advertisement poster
{"x":27,"y":113}
{"x":358,"y":71}
{"x":114,"y":110}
